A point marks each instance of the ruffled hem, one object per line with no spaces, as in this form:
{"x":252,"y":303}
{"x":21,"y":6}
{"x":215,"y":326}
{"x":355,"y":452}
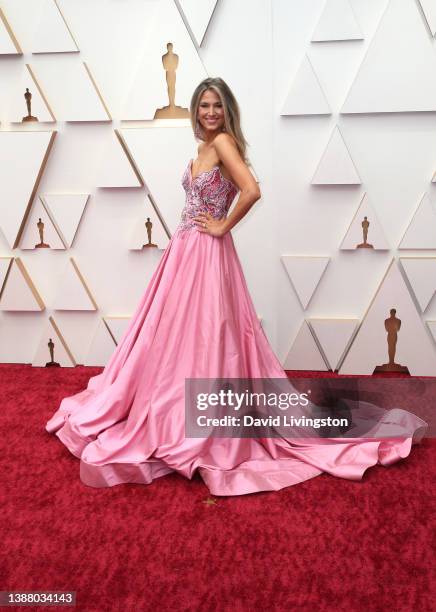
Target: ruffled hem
{"x":250,"y":476}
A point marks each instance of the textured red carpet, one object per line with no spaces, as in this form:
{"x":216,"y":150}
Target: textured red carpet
{"x":326,"y":544}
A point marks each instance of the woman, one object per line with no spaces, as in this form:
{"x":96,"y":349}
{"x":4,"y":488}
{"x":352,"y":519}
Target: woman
{"x":196,"y":320}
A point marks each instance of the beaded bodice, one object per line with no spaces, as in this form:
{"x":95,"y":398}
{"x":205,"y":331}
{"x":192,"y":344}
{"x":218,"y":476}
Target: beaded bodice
{"x":209,"y":192}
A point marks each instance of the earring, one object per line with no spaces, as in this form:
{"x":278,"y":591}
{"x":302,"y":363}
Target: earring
{"x":198,"y":132}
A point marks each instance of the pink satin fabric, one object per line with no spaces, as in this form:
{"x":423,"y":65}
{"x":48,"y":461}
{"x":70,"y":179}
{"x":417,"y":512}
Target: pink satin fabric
{"x":196,"y":319}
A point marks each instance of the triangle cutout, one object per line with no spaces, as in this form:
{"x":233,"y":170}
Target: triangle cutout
{"x":53,"y":338}
{"x":421,"y":274}
{"x":336,"y":166}
{"x":370,"y":347}
{"x":117,"y":166}
{"x":381,"y":86}
{"x":306,"y":96}
{"x":334,"y":337}
{"x":364,"y":221}
{"x":9,"y":45}
{"x":24,"y":154}
{"x":73,"y":293}
{"x":304,"y":353}
{"x":429,"y":10}
{"x":305,"y":273}
{"x":40,"y":230}
{"x":102,"y":346}
{"x":198,"y":16}
{"x":66,"y":211}
{"x":19,"y":293}
{"x":337,"y":22}
{"x":39,"y":106}
{"x":421,"y":232}
{"x":53,"y":34}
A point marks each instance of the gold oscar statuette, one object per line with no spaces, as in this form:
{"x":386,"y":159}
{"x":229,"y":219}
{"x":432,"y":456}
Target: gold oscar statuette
{"x":52,"y":363}
{"x":365,"y":227}
{"x":42,"y":244}
{"x":392,"y":326}
{"x":149,"y":225}
{"x":28,"y":98}
{"x":170,"y":62}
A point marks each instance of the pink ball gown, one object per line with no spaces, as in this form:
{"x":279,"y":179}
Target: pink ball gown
{"x":196,"y":320}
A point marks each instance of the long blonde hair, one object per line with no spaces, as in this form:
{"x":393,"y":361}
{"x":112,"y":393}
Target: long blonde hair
{"x":232,"y":115}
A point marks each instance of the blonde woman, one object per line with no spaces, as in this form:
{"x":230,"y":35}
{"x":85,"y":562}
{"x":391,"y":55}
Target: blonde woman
{"x":196,"y":320}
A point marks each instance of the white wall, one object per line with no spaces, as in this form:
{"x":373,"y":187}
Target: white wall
{"x":257,"y":46}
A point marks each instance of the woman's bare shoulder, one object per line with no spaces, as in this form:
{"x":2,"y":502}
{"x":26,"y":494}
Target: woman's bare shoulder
{"x":224,"y":139}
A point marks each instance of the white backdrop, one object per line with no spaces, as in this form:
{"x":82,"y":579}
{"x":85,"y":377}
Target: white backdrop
{"x":369,"y":71}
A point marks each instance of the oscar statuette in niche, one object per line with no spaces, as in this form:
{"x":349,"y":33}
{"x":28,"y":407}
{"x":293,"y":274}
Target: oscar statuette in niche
{"x":392,"y":326}
{"x":170,"y":63}
{"x":52,"y":363}
{"x":28,"y":98}
{"x":42,"y":244}
{"x":365,"y":227}
{"x":149,"y":225}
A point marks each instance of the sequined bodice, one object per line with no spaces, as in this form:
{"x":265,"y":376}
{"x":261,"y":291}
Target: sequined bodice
{"x":210,"y":192}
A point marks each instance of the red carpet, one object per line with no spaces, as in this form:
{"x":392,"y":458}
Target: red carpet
{"x":325,"y":544}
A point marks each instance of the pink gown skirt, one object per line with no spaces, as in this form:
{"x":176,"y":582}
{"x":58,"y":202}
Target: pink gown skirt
{"x":196,"y":319}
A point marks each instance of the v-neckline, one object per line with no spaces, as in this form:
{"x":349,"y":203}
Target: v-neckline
{"x":194,"y":178}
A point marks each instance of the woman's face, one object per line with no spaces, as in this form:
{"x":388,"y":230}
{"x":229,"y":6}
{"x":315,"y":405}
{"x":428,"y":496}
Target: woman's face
{"x":210,"y":112}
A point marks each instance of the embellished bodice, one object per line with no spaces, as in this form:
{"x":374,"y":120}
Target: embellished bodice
{"x":209,"y":192}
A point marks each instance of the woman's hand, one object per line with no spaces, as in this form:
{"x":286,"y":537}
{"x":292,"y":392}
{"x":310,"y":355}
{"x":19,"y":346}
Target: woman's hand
{"x":210,"y":225}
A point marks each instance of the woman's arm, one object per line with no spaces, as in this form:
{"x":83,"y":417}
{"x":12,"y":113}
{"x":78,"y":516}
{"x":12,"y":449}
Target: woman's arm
{"x":228,"y":154}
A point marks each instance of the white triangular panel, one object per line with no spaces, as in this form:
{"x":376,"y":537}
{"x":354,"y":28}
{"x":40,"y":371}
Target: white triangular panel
{"x":161,"y":154}
{"x":305,"y":273}
{"x":391,"y":78}
{"x":5,"y":265}
{"x":8,"y":43}
{"x":73,"y":293}
{"x":354,"y":235}
{"x":429,"y":10}
{"x":23,"y":154}
{"x":39,"y":106}
{"x":304,"y":353}
{"x":421,"y":273}
{"x":421,"y":232}
{"x":198,"y":16}
{"x":52,"y":34}
{"x":149,"y":89}
{"x":31,"y":237}
{"x":370,"y":348}
{"x":101,"y":348}
{"x":66,"y":211}
{"x":78,"y":99}
{"x":336,"y":166}
{"x":334,"y":337}
{"x":117,"y":326}
{"x":19,"y":292}
{"x":116,"y":169}
{"x":61,"y":352}
{"x":306,"y":96}
{"x":432,"y":327}
{"x":337,"y":22}
{"x":139,"y":236}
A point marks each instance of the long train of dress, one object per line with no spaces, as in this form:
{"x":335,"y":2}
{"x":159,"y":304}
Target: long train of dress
{"x":196,"y":319}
